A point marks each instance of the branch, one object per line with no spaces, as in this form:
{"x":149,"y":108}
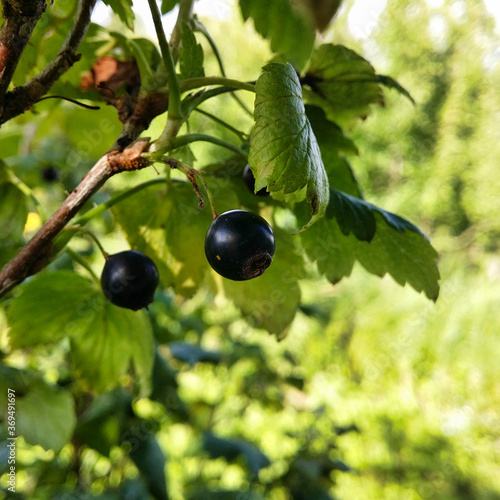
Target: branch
{"x":22,"y":98}
{"x":38,"y":251}
{"x":20,"y":20}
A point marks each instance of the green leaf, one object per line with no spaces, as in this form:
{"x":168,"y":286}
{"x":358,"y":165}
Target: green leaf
{"x":290,"y":31}
{"x":149,"y":459}
{"x":113,"y":339}
{"x":58,"y":304}
{"x":101,"y":425}
{"x":271,"y":300}
{"x":322,"y":11}
{"x":334,"y":145}
{"x":382,"y":242}
{"x":284,"y":155}
{"x":104,"y":338}
{"x":13,"y":213}
{"x":123,"y":9}
{"x":342,"y":83}
{"x":165,"y":388}
{"x":168,"y":225}
{"x":45,"y":415}
{"x":390,"y":83}
{"x":191,"y":55}
{"x":231,"y":449}
{"x":168,"y":5}
{"x":353,"y":215}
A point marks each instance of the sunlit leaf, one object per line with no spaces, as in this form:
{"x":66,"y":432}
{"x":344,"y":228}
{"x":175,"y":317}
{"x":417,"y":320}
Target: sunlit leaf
{"x":271,"y":300}
{"x":289,"y":30}
{"x":284,"y":155}
{"x":123,"y":9}
{"x":191,"y":55}
{"x":342,"y":83}
{"x":104,"y":339}
{"x":384,"y":243}
{"x":168,"y":5}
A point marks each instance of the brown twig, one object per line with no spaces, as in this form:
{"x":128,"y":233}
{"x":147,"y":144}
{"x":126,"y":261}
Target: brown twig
{"x":20,"y":20}
{"x":35,"y":254}
{"x":22,"y":98}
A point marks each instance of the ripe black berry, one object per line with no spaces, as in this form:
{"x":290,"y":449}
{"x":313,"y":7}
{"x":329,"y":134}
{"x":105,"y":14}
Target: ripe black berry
{"x":129,"y":279}
{"x":249,"y":179}
{"x":239,"y":245}
{"x":50,"y":174}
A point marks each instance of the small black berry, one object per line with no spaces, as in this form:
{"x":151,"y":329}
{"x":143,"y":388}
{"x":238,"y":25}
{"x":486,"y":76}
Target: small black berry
{"x":50,"y":174}
{"x":239,"y":245}
{"x":129,"y":279}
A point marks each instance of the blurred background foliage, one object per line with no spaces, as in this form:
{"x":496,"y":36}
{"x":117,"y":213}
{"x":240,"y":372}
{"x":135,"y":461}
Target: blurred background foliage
{"x":375,"y":393}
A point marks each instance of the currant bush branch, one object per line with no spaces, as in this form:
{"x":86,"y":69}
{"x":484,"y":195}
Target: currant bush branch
{"x":22,"y":98}
{"x":19,"y":21}
{"x":37,"y":252}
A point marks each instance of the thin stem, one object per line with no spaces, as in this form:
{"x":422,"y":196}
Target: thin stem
{"x":209,"y":196}
{"x":216,"y":119}
{"x":88,"y":232}
{"x":191,"y":174}
{"x":201,"y":28}
{"x":174,"y":104}
{"x":77,"y":258}
{"x":93,"y":212}
{"x":182,"y":140}
{"x":74,"y":101}
{"x":195,"y":83}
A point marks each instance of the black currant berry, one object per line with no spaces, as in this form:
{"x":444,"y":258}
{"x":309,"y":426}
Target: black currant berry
{"x":239,"y":245}
{"x":50,"y":174}
{"x":250,"y":182}
{"x":129,"y":279}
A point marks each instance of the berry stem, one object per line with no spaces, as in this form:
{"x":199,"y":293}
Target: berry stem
{"x":209,"y":196}
{"x":190,"y":173}
{"x":96,"y":240}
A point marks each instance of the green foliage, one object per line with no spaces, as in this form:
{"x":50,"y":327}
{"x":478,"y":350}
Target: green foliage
{"x":380,"y":241}
{"x":284,"y":155}
{"x":191,"y":55}
{"x":65,"y":305}
{"x":168,"y":5}
{"x":193,"y":398}
{"x":13,"y":214}
{"x":271,"y":300}
{"x":45,"y":414}
{"x":288,"y":29}
{"x":123,"y":9}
